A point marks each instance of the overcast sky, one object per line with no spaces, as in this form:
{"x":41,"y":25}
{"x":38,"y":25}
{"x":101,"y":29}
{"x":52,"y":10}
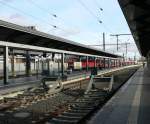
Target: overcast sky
{"x":76,"y":20}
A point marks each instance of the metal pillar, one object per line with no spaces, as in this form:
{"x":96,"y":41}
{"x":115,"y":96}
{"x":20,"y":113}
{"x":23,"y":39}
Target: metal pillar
{"x":6,"y":66}
{"x":13,"y":63}
{"x":37,"y":67}
{"x":80,"y":62}
{"x":103,"y":41}
{"x":119,"y":63}
{"x":108,"y":63}
{"x":58,"y":65}
{"x":104,"y":62}
{"x":28,"y":64}
{"x":48,"y":65}
{"x":34,"y":63}
{"x":87,"y":59}
{"x":62,"y":64}
{"x":95,"y":62}
{"x":117,"y":41}
{"x":42,"y":62}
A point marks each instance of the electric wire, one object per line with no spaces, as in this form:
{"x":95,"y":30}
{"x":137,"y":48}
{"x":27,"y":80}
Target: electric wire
{"x":98,"y":5}
{"x":30,"y":15}
{"x":43,"y":9}
{"x":97,"y":18}
{"x":27,"y":14}
{"x":47,"y":11}
{"x":100,"y":21}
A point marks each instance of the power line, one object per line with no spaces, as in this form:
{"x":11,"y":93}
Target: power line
{"x":34,"y":17}
{"x":117,"y":37}
{"x":56,"y":17}
{"x":43,"y":9}
{"x":47,"y":11}
{"x":100,"y":21}
{"x":98,"y":5}
{"x":109,"y":44}
{"x":52,"y":14}
{"x":97,"y":18}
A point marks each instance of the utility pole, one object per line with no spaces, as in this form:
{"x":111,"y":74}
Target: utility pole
{"x":104,"y":46}
{"x":103,"y":41}
{"x":126,"y":45}
{"x":117,"y":36}
{"x":126,"y":48}
{"x":135,"y":57}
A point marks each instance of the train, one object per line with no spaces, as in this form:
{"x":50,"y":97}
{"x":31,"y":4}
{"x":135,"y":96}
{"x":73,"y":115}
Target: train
{"x":70,"y":64}
{"x":99,"y":63}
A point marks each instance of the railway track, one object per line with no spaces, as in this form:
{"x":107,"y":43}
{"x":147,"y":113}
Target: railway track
{"x":81,"y":108}
{"x":70,"y":106}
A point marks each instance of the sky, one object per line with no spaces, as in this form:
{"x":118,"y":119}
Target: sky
{"x":77,"y":20}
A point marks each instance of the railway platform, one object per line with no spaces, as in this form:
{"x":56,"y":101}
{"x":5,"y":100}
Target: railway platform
{"x":130,"y":105}
{"x":18,"y":84}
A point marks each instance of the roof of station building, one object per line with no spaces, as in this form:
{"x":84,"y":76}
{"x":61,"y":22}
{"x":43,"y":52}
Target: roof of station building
{"x":137,"y":14}
{"x":19,"y":34}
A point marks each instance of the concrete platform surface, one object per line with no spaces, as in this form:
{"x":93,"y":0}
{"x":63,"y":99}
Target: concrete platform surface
{"x":130,"y":105}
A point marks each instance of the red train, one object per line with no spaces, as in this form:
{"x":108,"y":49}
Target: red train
{"x":99,"y":63}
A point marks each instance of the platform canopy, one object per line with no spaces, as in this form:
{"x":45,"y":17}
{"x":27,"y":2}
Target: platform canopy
{"x":137,"y":14}
{"x":18,"y":34}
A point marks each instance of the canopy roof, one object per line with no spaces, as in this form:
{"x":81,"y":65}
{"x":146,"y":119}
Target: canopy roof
{"x":137,"y":14}
{"x":18,"y":34}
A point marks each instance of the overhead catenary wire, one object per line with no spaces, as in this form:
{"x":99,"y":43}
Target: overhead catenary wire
{"x":27,"y":14}
{"x":93,"y":14}
{"x":98,"y":5}
{"x":43,"y":9}
{"x":100,"y":21}
{"x":47,"y":11}
{"x":50,"y":13}
{"x":32,"y":16}
{"x":54,"y":15}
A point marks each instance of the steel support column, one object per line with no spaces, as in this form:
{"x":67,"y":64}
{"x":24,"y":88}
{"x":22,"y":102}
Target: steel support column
{"x":108,"y":63}
{"x":116,"y":63}
{"x":95,"y":62}
{"x":6,"y":65}
{"x":104,"y":62}
{"x":48,"y":64}
{"x":87,"y":61}
{"x":37,"y":67}
{"x":62,"y":64}
{"x":80,"y":62}
{"x":28,"y":64}
{"x":13,"y":63}
{"x":42,"y":61}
